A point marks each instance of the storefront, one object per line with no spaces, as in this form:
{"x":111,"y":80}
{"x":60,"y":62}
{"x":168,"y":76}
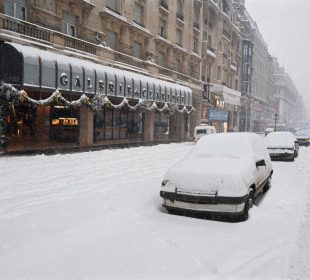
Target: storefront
{"x":69,"y":101}
{"x":218,"y":119}
{"x":232,"y":105}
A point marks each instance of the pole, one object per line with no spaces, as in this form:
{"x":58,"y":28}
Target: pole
{"x":276,"y":115}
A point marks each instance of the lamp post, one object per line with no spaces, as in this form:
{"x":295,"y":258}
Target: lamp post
{"x":275,"y":117}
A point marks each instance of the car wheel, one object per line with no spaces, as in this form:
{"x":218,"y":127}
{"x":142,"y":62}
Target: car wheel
{"x":248,"y":204}
{"x":267,"y":185}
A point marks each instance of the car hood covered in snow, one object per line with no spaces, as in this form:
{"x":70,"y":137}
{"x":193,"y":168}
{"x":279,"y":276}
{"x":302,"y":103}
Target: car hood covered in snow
{"x":227,"y":175}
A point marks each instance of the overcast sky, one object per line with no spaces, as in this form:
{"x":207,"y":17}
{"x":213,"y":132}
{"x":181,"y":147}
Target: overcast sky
{"x":285,"y":26}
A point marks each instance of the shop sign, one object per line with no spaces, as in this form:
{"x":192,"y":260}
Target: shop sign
{"x":29,"y":66}
{"x":217,"y":115}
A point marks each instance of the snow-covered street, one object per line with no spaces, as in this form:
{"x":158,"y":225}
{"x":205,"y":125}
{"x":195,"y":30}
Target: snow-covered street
{"x":98,"y":215}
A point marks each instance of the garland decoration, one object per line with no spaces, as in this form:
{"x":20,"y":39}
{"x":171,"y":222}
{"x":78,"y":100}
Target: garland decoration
{"x":10,"y":97}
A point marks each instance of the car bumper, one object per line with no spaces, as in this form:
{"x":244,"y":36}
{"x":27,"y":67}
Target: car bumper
{"x":203,"y":204}
{"x":283,"y":156}
{"x":303,"y":143}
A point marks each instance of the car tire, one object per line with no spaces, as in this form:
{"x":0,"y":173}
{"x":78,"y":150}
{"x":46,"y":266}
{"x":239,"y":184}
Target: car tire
{"x":248,"y":205}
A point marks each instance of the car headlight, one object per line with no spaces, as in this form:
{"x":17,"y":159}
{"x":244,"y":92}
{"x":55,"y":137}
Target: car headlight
{"x":164,"y":182}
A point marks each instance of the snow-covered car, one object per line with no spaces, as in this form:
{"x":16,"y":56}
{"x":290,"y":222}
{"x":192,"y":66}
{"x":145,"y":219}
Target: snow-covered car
{"x":303,"y":137}
{"x":282,"y":145}
{"x":222,"y":175}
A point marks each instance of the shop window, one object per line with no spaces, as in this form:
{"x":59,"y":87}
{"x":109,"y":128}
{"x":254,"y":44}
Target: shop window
{"x":15,"y":9}
{"x":69,"y":25}
{"x":137,"y":50}
{"x":108,"y":124}
{"x":161,"y":123}
{"x":99,"y":126}
{"x":64,"y":124}
{"x":21,"y":125}
{"x":112,"y":124}
{"x":139,"y":14}
{"x":123,"y":125}
{"x":134,"y":124}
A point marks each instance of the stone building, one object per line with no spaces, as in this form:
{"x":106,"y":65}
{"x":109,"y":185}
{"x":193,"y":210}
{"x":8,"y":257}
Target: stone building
{"x":258,"y":88}
{"x":221,"y":63}
{"x":289,"y":103}
{"x":144,"y":54}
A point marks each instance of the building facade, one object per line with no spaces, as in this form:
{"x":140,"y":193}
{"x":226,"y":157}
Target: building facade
{"x":140,"y":59}
{"x":103,"y":72}
{"x":221,"y":64}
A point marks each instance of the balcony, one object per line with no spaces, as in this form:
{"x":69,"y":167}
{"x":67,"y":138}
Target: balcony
{"x":26,"y":28}
{"x":44,"y":34}
{"x":80,"y":45}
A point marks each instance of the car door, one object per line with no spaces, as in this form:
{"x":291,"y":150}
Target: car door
{"x":261,"y":153}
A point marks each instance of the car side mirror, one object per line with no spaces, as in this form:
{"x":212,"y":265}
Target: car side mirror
{"x":260,"y":163}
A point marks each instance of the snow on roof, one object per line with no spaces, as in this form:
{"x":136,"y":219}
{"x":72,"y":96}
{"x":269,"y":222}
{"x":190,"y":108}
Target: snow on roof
{"x":280,"y":139}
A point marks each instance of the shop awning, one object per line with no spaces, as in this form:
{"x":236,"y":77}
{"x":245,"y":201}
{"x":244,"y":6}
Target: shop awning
{"x":30,"y":67}
{"x":230,"y":96}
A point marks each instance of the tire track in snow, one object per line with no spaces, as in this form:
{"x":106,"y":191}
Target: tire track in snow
{"x":299,"y":268}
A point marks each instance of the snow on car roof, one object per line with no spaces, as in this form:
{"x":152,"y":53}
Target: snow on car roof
{"x":280,"y":139}
{"x":224,"y":162}
{"x":238,"y":143}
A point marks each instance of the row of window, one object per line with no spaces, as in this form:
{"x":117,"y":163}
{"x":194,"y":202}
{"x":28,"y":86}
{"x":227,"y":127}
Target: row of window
{"x":18,"y":10}
{"x":139,"y":10}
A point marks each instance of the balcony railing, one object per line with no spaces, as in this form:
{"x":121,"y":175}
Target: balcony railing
{"x":26,"y":28}
{"x":57,"y":38}
{"x":80,"y":45}
{"x":44,"y":34}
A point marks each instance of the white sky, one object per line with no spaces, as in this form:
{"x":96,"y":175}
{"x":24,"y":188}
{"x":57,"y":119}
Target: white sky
{"x":285,"y":25}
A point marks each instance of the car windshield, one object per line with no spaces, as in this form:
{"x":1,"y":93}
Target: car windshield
{"x":201,"y":131}
{"x":303,"y":133}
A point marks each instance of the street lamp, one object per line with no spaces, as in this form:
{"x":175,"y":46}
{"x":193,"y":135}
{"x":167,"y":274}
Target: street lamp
{"x":275,"y":117}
